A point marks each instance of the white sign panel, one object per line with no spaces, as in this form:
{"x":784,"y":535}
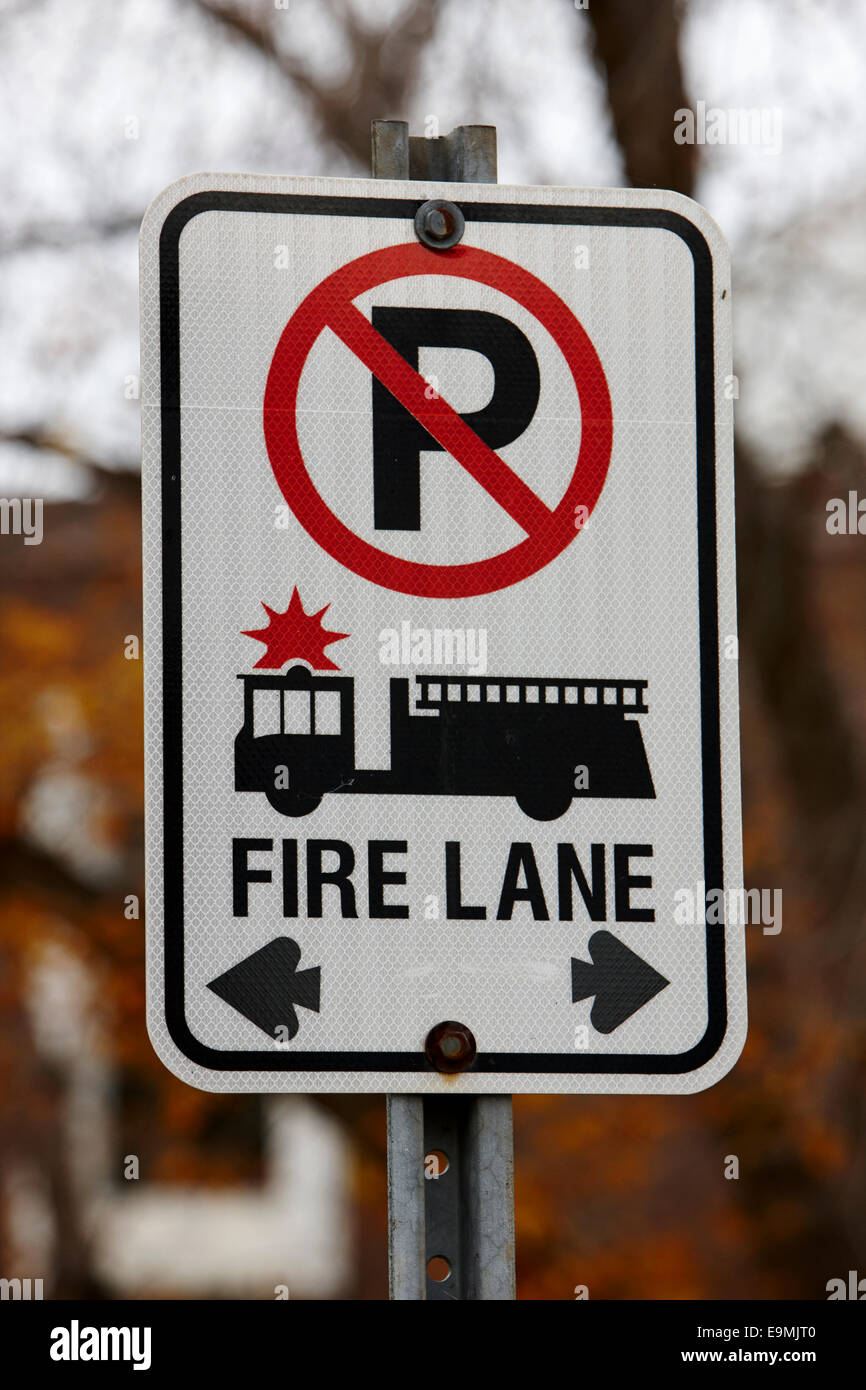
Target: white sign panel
{"x":441,"y":678}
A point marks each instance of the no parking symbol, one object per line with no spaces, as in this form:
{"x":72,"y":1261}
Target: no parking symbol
{"x":408,"y":418}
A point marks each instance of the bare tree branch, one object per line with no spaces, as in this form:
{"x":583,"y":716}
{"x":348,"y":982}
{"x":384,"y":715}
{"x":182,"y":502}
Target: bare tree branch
{"x":62,"y":235}
{"x":384,"y":68}
{"x":125,"y":477}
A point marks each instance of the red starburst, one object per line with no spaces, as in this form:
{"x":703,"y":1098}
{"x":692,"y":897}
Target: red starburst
{"x":295,"y":636}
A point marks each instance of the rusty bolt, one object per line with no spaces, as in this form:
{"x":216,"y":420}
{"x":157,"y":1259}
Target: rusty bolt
{"x":439,"y":224}
{"x":450,"y":1047}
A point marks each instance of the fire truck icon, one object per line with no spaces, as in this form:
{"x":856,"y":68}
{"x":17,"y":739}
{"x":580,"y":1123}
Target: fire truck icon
{"x":542,"y":741}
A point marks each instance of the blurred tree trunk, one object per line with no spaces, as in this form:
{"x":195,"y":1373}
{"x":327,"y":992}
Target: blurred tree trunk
{"x":637,"y":46}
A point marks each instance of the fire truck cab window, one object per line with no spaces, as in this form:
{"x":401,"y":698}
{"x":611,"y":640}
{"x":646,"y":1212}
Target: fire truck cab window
{"x":327,"y":711}
{"x":266,"y":713}
{"x":296,"y":712}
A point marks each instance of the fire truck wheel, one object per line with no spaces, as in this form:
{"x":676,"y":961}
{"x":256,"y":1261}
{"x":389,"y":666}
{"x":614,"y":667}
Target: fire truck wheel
{"x":547,"y":804}
{"x":290,"y":803}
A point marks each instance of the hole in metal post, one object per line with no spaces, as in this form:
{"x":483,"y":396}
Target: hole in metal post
{"x":435,"y":1164}
{"x":438,"y":1269}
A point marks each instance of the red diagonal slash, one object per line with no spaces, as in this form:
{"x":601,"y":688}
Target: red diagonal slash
{"x":331,"y":304}
{"x":438,"y":418}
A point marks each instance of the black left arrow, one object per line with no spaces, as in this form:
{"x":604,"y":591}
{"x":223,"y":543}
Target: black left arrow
{"x":620,"y":980}
{"x":267,"y":985}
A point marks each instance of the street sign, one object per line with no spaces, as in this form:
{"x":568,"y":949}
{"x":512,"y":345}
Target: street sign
{"x":440,"y":639}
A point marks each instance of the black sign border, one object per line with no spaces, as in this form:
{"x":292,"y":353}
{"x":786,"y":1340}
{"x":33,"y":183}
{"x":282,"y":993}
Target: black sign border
{"x":404,"y":209}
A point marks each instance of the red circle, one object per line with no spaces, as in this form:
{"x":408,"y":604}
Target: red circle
{"x":379,"y":566}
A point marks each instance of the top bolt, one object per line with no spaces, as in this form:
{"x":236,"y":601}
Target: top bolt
{"x":439,"y":224}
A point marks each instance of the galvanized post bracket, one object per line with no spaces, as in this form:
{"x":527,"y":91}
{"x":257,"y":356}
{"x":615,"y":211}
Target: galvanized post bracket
{"x":466,"y":155}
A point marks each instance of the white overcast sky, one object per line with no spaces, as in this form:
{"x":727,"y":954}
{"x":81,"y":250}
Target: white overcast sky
{"x":72,"y":75}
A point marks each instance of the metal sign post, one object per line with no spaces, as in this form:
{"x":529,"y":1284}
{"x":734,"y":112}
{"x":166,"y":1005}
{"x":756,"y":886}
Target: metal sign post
{"x":450,"y":1158}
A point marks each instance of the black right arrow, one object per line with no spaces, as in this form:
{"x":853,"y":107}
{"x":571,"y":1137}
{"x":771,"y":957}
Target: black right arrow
{"x":621,"y":982}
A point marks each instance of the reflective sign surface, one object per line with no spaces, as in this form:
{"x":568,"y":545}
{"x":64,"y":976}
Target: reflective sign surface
{"x":441,"y":664}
